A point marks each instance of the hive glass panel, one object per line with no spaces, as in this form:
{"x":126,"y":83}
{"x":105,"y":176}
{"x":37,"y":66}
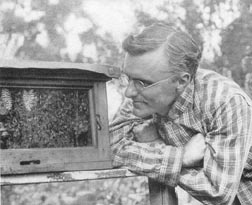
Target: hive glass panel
{"x":44,"y":118}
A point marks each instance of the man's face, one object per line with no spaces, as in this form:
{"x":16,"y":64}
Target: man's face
{"x":150,"y":68}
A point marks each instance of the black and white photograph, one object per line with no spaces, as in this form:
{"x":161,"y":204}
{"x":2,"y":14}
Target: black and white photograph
{"x":126,"y":102}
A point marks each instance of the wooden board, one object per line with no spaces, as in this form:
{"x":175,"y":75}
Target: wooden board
{"x":64,"y":176}
{"x":108,"y":70}
{"x":159,"y":194}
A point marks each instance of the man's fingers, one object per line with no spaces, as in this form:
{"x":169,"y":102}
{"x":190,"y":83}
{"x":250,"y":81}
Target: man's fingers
{"x":145,"y":132}
{"x":194,"y":150}
{"x":199,"y":136}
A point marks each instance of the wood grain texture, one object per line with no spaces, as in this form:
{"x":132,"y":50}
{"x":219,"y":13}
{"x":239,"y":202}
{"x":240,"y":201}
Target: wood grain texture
{"x":64,"y":176}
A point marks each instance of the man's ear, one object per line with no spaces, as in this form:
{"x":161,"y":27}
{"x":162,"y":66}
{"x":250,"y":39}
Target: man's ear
{"x":183,"y":81}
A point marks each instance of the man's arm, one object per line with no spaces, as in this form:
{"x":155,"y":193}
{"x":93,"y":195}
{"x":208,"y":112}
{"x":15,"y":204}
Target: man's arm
{"x":127,"y":136}
{"x":228,"y":142}
{"x":147,"y":159}
{"x":218,"y":180}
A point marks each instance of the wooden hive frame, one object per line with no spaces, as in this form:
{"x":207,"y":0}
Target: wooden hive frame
{"x":22,"y":74}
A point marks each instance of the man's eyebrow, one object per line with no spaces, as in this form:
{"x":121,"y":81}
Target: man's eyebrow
{"x":122,"y":72}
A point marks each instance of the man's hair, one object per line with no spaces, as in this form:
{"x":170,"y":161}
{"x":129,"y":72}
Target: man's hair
{"x":182,"y":51}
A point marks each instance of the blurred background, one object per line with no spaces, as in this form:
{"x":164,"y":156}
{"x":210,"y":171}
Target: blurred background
{"x":91,"y":31}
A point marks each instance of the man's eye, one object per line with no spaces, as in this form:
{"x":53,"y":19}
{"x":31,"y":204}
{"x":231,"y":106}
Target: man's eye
{"x":147,"y":83}
{"x":144,"y":83}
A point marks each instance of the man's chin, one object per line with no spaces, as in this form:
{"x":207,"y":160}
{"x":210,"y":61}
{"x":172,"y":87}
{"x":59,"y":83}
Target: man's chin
{"x":141,"y":113}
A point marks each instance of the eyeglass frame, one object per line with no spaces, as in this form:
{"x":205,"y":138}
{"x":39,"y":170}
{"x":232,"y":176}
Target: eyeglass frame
{"x":142,"y":84}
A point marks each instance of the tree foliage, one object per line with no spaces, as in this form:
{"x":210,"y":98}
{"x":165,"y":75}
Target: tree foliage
{"x":41,"y":28}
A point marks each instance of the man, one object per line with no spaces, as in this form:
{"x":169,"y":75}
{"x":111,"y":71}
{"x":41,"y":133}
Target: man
{"x":184,"y":126}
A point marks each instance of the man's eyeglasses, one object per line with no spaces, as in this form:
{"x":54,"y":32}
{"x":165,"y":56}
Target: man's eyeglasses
{"x":141,"y":85}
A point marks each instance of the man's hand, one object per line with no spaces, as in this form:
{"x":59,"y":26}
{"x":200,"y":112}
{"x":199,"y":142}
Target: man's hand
{"x":194,"y":151}
{"x":146,"y":132}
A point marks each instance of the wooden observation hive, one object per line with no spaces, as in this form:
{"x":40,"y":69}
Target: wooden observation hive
{"x":53,"y":116}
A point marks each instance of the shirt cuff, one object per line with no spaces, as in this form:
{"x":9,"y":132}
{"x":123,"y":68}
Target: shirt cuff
{"x":171,"y":165}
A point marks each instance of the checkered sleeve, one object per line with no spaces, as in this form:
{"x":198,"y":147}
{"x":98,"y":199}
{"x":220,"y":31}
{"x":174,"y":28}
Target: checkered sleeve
{"x":154,"y":159}
{"x":228,"y":143}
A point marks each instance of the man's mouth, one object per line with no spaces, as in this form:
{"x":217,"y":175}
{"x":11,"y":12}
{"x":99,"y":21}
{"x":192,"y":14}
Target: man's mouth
{"x":138,"y":103}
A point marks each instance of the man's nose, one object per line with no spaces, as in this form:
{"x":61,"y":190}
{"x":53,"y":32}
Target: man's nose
{"x":131,"y":91}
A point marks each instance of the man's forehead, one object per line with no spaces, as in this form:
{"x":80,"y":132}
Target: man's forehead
{"x":150,"y":66}
{"x":135,"y":65}
{"x":128,"y":62}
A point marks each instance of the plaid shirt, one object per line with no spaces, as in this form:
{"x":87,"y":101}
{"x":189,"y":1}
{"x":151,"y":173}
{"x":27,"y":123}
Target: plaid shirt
{"x":212,"y":105}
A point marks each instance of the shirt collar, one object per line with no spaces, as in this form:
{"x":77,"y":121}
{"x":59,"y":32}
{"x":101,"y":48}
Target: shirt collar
{"x":182,"y":103}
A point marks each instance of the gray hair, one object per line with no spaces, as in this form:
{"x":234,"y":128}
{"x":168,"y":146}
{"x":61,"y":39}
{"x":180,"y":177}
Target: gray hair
{"x":182,"y":51}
